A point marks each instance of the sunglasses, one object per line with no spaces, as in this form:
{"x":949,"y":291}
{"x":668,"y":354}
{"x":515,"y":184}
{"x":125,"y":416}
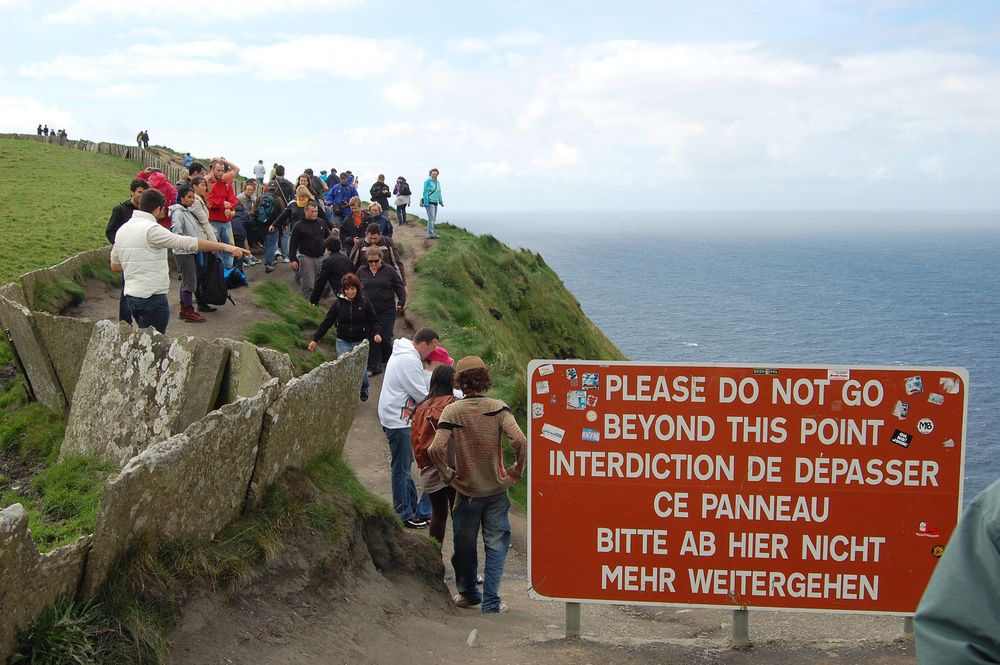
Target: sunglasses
{"x":374,"y":260}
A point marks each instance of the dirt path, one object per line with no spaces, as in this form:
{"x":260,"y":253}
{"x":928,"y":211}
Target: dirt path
{"x":296,"y":616}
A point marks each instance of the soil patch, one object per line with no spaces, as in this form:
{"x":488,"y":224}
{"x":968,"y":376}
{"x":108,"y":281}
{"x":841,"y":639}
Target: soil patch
{"x":16,"y":473}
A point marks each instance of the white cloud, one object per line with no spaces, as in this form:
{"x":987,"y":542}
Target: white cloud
{"x":23,"y":114}
{"x":509,"y":41}
{"x":332,"y":56}
{"x":126,"y":91}
{"x":119,"y":66}
{"x":88,"y":11}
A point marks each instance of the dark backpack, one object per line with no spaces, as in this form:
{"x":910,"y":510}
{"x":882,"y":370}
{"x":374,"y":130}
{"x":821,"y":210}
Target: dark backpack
{"x":404,"y":188}
{"x":213,"y":287}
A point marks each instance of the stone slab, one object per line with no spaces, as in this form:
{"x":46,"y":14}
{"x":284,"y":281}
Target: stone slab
{"x":244,"y":374}
{"x":189,"y":486}
{"x":37,"y":364}
{"x":66,"y":340}
{"x":138,"y":388}
{"x":12,"y":291}
{"x":311,"y":416}
{"x":31,"y":582}
{"x":277,"y":364}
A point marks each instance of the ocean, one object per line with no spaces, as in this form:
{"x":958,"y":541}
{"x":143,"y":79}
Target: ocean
{"x":817,"y":288}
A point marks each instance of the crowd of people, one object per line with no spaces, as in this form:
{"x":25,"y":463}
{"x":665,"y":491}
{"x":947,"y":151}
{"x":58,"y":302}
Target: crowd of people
{"x":433,"y":410}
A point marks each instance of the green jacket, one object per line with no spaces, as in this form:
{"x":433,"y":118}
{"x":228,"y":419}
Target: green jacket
{"x":958,"y":619}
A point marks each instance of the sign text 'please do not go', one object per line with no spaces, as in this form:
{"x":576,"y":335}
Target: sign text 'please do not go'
{"x":823,"y":488}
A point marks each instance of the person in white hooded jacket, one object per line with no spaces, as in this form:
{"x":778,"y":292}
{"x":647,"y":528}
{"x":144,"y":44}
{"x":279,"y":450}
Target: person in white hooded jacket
{"x":404,"y":385}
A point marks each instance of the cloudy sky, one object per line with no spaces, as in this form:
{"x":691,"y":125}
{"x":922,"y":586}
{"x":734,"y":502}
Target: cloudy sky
{"x":671,"y":104}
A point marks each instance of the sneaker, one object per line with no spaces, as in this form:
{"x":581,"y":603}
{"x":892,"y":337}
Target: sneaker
{"x":364,"y":395}
{"x":479,"y":579}
{"x":503,"y":608}
{"x":278,"y":254}
{"x":927,"y":531}
{"x":462,"y":601}
{"x":268,"y":268}
{"x":285,"y":259}
{"x":414,"y":523}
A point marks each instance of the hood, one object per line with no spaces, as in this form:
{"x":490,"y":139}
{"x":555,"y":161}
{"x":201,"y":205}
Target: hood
{"x":403,"y":345}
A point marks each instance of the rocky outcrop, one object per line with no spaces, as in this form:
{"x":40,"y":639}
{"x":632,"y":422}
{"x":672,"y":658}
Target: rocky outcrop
{"x":137,"y":389}
{"x":31,"y":582}
{"x":189,"y":486}
{"x":277,"y":364}
{"x":311,"y":417}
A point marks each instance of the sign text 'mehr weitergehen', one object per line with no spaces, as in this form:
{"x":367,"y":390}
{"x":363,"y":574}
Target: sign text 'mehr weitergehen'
{"x":822,"y":488}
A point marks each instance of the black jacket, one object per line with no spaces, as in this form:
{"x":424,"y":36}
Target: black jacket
{"x":307,"y":239}
{"x":333,"y":269}
{"x":383,"y":288}
{"x":355,"y":319}
{"x":120,"y":214}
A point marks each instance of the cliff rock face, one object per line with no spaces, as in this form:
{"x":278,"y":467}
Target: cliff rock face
{"x":136,"y":390}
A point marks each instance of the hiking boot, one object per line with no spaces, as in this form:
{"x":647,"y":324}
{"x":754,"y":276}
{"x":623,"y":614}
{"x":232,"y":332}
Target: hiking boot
{"x":188,"y":314}
{"x":462,"y":601}
{"x":415,"y":523}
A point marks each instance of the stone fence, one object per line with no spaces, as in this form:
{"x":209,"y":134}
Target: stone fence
{"x":146,"y":157}
{"x":201,"y":429}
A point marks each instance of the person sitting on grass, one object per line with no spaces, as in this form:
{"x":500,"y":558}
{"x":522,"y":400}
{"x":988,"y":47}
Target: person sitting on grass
{"x":355,"y":319}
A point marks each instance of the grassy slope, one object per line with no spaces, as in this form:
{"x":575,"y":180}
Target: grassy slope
{"x":507,"y":307}
{"x":55,"y":202}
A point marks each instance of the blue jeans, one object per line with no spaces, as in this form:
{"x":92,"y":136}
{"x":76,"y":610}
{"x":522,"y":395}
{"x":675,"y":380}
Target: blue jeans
{"x":270,"y":247}
{"x":404,"y":492}
{"x":466,"y":517}
{"x":124,"y":313}
{"x":152,"y":311}
{"x":401,"y":214}
{"x":283,"y":242}
{"x":224,"y":232}
{"x":432,"y":213}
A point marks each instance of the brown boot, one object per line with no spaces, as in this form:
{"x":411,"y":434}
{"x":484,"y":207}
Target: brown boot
{"x":188,"y":314}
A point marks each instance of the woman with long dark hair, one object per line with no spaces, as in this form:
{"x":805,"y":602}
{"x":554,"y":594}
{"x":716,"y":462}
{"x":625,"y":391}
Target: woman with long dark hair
{"x":425,"y":422}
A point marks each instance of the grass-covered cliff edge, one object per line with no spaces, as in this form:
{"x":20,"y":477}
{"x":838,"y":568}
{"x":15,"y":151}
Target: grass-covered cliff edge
{"x":506,"y":306}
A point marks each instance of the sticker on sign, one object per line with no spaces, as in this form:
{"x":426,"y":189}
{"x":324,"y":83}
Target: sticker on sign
{"x":793,"y":488}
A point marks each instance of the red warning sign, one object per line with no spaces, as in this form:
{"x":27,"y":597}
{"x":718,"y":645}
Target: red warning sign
{"x":831,"y":488}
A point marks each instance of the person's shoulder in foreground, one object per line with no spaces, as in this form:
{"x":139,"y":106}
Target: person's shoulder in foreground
{"x":958,"y":619}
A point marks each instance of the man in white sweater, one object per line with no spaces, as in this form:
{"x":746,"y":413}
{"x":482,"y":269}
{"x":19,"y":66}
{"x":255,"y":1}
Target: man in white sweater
{"x":404,"y":385}
{"x":140,"y":252}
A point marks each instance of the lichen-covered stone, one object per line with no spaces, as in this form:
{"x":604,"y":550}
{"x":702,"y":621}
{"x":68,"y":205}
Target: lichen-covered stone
{"x":137,"y":388}
{"x":66,"y":340}
{"x":277,"y":364}
{"x":189,"y":486}
{"x":244,"y":374}
{"x":311,"y":416}
{"x":37,"y":365}
{"x":31,"y":582}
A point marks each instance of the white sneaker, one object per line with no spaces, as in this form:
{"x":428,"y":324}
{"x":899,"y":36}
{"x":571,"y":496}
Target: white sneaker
{"x":278,"y":254}
{"x":284,"y":259}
